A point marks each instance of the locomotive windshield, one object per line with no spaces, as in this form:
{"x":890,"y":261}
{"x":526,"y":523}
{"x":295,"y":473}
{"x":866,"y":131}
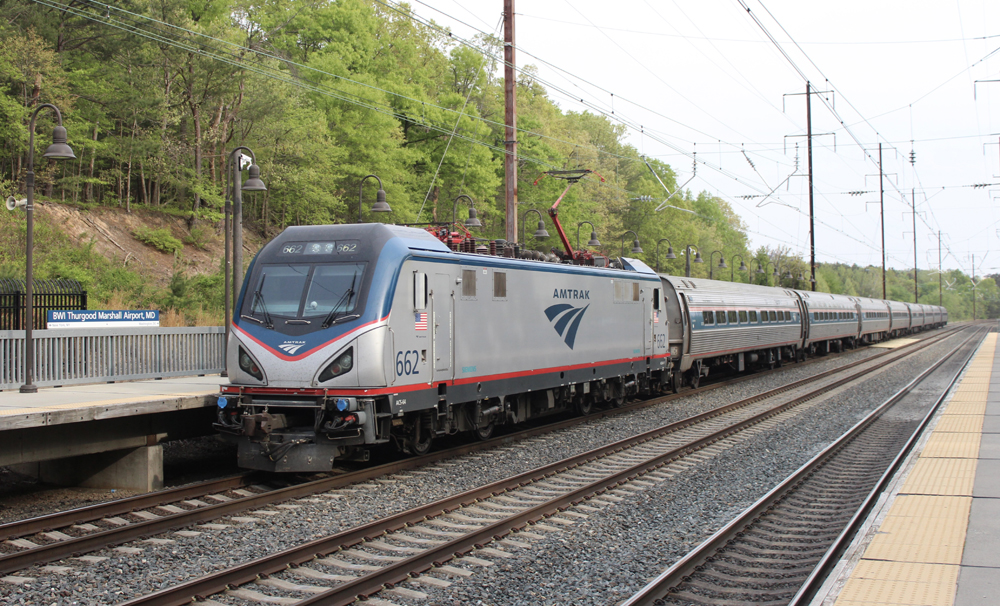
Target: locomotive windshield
{"x":317,"y":294}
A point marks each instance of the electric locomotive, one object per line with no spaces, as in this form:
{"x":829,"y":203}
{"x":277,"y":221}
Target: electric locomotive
{"x":345,"y":337}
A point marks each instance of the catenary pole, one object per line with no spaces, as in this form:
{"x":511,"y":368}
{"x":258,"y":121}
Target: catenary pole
{"x":510,"y":121}
{"x":881,"y":210}
{"x":916,"y":291}
{"x":940,"y":274}
{"x":812,"y":228}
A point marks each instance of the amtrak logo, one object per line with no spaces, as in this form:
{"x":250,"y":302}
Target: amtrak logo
{"x":290,"y":347}
{"x":567,"y":320}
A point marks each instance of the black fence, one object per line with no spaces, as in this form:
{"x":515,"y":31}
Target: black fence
{"x":49,"y":294}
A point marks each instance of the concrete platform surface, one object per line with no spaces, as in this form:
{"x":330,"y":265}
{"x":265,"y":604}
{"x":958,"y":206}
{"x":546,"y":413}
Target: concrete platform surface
{"x":78,"y":403}
{"x":932,"y":539}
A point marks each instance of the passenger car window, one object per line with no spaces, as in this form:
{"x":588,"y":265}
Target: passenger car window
{"x":732,"y":317}
{"x":774,"y":316}
{"x":753,"y":316}
{"x":743,"y":317}
{"x":708,"y":317}
{"x":720,"y":317}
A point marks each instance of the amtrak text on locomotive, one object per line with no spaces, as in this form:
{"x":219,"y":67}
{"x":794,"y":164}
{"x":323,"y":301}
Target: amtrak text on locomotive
{"x":569,"y":293}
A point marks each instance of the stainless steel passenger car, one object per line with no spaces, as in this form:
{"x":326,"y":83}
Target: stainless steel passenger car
{"x":729,"y":323}
{"x":832,"y":321}
{"x":875,"y":322}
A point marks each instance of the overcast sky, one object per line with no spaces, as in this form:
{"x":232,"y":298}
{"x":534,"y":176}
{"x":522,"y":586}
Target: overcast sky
{"x":705,"y":76}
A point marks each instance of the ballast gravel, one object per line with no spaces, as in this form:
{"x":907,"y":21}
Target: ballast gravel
{"x":600,"y":559}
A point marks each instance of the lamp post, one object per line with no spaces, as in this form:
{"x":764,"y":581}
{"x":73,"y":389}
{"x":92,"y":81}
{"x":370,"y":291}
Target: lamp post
{"x":59,"y":150}
{"x":253,"y":183}
{"x":687,"y":259}
{"x":472,"y":221}
{"x":743,"y":267}
{"x":380,"y":206}
{"x":593,"y":242}
{"x":541,"y":233}
{"x":767,"y":264}
{"x":636,"y":249}
{"x":760,"y":270}
{"x":722,"y":263}
{"x":670,"y":252}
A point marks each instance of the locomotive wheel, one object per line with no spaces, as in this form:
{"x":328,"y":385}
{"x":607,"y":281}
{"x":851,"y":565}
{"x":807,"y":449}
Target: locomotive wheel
{"x":485,"y":432}
{"x":619,"y":396}
{"x":676,"y":381}
{"x":694,"y":378}
{"x":420,"y":442}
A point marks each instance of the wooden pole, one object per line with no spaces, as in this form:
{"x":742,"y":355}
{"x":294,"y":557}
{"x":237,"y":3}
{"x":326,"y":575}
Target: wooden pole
{"x":510,"y":121}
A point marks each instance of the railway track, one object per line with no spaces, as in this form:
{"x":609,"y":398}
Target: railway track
{"x":779,"y":550}
{"x":416,"y":546}
{"x":87,"y":529}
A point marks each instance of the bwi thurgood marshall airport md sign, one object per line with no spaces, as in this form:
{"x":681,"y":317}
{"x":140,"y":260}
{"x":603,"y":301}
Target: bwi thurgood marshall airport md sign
{"x":102,"y":318}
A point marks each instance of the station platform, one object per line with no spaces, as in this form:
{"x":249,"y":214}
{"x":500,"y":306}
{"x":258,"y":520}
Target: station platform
{"x":934,"y":537}
{"x":103,"y":435}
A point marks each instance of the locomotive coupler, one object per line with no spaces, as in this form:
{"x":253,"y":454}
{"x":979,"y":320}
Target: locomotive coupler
{"x":257,"y":425}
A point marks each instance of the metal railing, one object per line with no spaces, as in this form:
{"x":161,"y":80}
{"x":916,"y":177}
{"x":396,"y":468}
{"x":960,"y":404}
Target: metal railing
{"x":98,"y":355}
{"x":48,"y":295}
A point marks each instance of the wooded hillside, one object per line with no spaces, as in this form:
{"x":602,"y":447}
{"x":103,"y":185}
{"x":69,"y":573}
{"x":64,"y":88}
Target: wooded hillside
{"x":155,"y":94}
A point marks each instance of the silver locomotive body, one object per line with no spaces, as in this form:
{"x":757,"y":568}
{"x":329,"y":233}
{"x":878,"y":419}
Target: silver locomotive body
{"x":403,"y":340}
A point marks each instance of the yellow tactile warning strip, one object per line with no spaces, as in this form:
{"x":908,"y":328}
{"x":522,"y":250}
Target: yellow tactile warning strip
{"x":914,"y":559}
{"x":932,"y":476}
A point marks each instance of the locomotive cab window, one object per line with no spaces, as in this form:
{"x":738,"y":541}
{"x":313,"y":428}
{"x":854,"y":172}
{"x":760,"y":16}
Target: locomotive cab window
{"x":419,"y":291}
{"x":303,"y":293}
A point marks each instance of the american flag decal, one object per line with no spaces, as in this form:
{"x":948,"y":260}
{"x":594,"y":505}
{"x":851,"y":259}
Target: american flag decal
{"x":656,"y":316}
{"x":420,"y":321}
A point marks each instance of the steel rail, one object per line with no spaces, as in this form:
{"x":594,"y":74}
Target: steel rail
{"x":277,"y":562}
{"x":88,"y":513}
{"x":829,"y":560}
{"x":659,"y":587}
{"x":53,"y":551}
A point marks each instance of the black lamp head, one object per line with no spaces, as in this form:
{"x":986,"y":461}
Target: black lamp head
{"x":253,"y":182}
{"x":59,"y":150}
{"x":380,"y":206}
{"x":473,"y":220}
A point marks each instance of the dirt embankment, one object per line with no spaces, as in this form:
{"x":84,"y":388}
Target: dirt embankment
{"x":111,"y":230}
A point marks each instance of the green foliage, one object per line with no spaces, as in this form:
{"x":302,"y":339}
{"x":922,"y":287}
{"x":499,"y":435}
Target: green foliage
{"x":342,"y":90}
{"x":159,"y":239}
{"x":199,"y":237}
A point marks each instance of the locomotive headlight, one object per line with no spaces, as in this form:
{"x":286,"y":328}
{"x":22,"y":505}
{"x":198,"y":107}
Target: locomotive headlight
{"x":340,"y":365}
{"x":249,"y":365}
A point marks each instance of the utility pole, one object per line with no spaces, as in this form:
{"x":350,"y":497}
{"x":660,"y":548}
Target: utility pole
{"x":809,"y":137}
{"x":510,"y":121}
{"x":916,"y":292}
{"x":881,"y":207}
{"x":940,"y":274}
{"x":812,"y":230}
{"x":973,"y":287}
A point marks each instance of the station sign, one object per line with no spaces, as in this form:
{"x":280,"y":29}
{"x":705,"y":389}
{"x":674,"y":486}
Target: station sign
{"x":102,"y":318}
